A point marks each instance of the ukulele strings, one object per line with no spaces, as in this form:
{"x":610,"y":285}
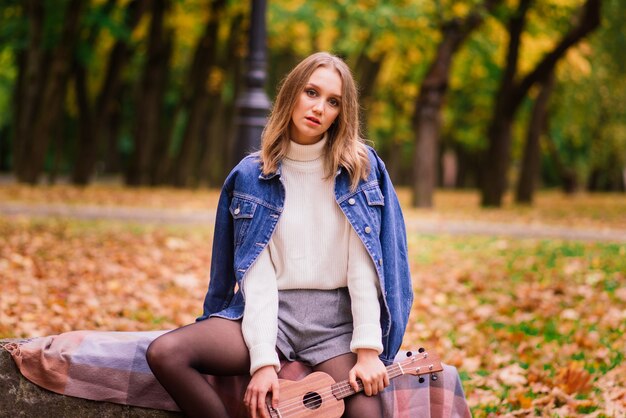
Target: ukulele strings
{"x":296,"y":404}
{"x":341,"y":388}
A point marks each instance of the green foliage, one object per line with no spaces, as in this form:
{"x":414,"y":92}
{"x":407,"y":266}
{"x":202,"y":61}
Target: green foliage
{"x":12,"y":25}
{"x":7,"y":79}
{"x":588,"y":124}
{"x":53,"y":24}
{"x":12,"y":30}
{"x":587,"y":113}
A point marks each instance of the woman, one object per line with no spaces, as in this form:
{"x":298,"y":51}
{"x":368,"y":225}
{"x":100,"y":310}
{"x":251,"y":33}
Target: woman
{"x":309,"y":234}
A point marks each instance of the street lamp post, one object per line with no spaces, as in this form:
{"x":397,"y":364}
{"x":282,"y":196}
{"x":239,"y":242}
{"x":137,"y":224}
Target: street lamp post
{"x":253,"y":105}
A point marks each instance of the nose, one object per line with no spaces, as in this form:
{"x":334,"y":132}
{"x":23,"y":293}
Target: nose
{"x":318,"y":107}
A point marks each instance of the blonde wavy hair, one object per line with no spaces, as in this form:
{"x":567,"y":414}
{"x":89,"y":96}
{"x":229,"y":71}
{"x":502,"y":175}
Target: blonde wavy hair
{"x":344,"y":145}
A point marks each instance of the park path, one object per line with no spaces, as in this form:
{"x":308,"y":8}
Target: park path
{"x":197,"y":217}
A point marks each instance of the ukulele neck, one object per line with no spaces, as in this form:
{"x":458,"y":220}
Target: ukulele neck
{"x":344,"y":389}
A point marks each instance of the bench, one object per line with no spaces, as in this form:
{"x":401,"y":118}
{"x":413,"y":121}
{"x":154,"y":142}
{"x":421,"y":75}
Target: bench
{"x":104,"y":374}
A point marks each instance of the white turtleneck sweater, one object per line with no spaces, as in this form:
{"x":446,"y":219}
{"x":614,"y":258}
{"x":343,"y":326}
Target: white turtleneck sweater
{"x":313,"y":247}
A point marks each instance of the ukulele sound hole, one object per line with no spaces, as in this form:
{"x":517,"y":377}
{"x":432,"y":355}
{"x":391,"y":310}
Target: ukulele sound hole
{"x":312,"y":400}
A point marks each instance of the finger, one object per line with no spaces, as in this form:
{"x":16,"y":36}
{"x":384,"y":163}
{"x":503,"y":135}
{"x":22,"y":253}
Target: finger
{"x":252,"y":406}
{"x":368,"y":388}
{"x":353,"y":383}
{"x":261,"y":405}
{"x":275,"y":393}
{"x":246,"y":401}
{"x":373,"y":388}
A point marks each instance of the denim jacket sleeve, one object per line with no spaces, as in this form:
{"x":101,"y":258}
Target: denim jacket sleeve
{"x":222,"y":282}
{"x":398,"y":287}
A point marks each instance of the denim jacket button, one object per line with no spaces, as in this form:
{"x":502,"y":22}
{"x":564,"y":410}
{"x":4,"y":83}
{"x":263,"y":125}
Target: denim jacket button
{"x":368,"y":229}
{"x":351,"y":201}
{"x":236,"y":211}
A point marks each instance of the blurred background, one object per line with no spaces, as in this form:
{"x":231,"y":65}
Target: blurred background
{"x":494,"y":95}
{"x":119,"y":120}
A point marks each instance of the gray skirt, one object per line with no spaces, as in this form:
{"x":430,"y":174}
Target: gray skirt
{"x":314,"y":325}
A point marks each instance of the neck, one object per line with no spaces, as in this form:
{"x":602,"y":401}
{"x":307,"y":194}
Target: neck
{"x":300,"y":152}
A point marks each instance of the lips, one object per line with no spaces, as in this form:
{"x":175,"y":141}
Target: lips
{"x":314,"y":120}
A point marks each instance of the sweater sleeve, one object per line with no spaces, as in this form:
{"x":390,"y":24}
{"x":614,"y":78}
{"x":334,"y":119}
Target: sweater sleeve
{"x":364,"y":290}
{"x":260,"y":318}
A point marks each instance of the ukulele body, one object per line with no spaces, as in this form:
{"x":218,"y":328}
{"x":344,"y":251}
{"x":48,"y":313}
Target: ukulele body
{"x":309,"y":397}
{"x":318,"y":395}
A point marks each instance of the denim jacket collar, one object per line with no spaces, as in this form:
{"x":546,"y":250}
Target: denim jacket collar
{"x":271,"y":175}
{"x":278,"y":171}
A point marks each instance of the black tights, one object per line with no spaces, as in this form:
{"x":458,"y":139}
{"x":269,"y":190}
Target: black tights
{"x":216,"y":346}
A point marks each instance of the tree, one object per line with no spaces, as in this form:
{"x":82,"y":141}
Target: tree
{"x":531,"y":159}
{"x":96,"y":120}
{"x":150,"y":134}
{"x":512,"y":92}
{"x":42,"y":85}
{"x":587,"y":130}
{"x":197,"y":98}
{"x":429,"y":102}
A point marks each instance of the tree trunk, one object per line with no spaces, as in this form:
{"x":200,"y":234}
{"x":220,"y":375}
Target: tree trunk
{"x":532,"y":151}
{"x":148,"y":118}
{"x":198,"y":97}
{"x":494,"y":180}
{"x":164,"y":133}
{"x":215,"y":155}
{"x":57,"y":149}
{"x":427,"y":113}
{"x":110,"y":133}
{"x":368,"y":81}
{"x":468,"y":167}
{"x":86,"y":129}
{"x":52,"y":95}
{"x":5,"y":150}
{"x":569,"y":178}
{"x":95,"y":120}
{"x":109,"y":103}
{"x":30,"y":81}
{"x":366,"y":72}
{"x":511,"y":95}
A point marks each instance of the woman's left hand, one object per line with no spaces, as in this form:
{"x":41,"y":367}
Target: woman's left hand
{"x":370,"y":370}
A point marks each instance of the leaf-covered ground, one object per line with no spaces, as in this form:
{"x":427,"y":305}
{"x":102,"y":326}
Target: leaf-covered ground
{"x":535,"y":327}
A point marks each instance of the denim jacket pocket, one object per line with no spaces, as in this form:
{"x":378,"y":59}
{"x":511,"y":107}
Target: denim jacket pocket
{"x":242,"y":211}
{"x":374,"y":196}
{"x":375,"y":203}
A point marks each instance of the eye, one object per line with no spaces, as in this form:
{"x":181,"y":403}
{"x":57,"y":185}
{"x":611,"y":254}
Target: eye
{"x":334,"y":102}
{"x":310,"y":92}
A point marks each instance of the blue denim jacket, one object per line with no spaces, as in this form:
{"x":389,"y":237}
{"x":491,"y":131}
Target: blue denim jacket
{"x":249,"y":208}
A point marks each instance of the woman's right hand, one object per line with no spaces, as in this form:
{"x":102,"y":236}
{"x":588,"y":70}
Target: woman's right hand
{"x":264,"y":380}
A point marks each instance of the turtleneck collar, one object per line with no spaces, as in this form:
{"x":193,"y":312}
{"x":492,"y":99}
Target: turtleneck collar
{"x":304,"y":153}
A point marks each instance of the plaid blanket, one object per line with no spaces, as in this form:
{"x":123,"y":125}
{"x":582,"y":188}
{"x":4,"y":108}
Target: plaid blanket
{"x":111,"y":366}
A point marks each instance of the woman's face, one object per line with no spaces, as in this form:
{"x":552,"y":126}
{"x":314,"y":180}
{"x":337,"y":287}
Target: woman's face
{"x":317,"y":106}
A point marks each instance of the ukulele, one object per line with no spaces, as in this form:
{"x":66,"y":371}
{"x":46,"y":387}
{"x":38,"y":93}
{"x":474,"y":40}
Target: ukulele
{"x":318,"y":395}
